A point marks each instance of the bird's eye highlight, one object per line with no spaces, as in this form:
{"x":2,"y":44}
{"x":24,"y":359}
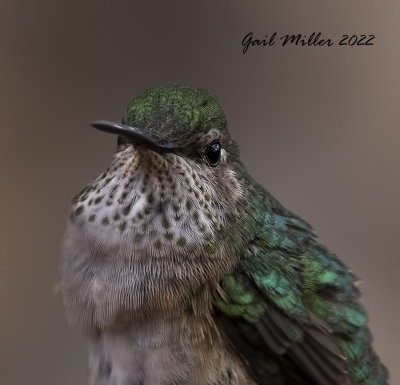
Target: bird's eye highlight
{"x":213,"y":153}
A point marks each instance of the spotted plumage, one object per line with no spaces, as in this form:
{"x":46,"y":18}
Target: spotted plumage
{"x":181,"y":269}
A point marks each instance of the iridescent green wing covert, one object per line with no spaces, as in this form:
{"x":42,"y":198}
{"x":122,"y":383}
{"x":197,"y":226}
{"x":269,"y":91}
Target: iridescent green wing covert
{"x":291,"y":309}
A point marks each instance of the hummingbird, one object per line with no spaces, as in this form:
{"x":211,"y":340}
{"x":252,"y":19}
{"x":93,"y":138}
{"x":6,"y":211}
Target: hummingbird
{"x":181,"y":269}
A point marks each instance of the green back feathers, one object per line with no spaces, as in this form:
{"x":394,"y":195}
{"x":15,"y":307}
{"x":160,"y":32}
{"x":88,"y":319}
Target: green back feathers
{"x":240,"y":301}
{"x":302,"y":302}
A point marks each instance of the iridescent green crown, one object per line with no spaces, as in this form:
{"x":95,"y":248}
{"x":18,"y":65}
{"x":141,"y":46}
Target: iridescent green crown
{"x":175,"y":111}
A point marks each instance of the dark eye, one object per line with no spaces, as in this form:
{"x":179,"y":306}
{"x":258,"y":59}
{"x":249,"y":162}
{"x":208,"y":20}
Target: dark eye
{"x":213,"y":153}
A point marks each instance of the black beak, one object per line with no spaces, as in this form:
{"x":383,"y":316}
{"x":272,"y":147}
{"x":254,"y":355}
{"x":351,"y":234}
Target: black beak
{"x":136,"y":135}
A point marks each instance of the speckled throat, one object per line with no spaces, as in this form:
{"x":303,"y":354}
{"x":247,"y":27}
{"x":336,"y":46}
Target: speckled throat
{"x":145,"y":238}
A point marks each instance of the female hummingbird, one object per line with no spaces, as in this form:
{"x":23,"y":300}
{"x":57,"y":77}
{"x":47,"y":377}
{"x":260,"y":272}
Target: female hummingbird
{"x":181,"y":269}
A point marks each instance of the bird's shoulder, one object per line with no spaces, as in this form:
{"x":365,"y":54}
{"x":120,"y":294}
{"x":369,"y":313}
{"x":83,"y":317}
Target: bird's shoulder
{"x":291,"y":307}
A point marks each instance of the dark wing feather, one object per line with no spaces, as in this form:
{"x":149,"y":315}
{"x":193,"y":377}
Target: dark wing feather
{"x":292,"y":305}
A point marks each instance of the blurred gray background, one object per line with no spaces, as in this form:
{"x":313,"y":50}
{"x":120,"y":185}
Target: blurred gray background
{"x":316,"y":126}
